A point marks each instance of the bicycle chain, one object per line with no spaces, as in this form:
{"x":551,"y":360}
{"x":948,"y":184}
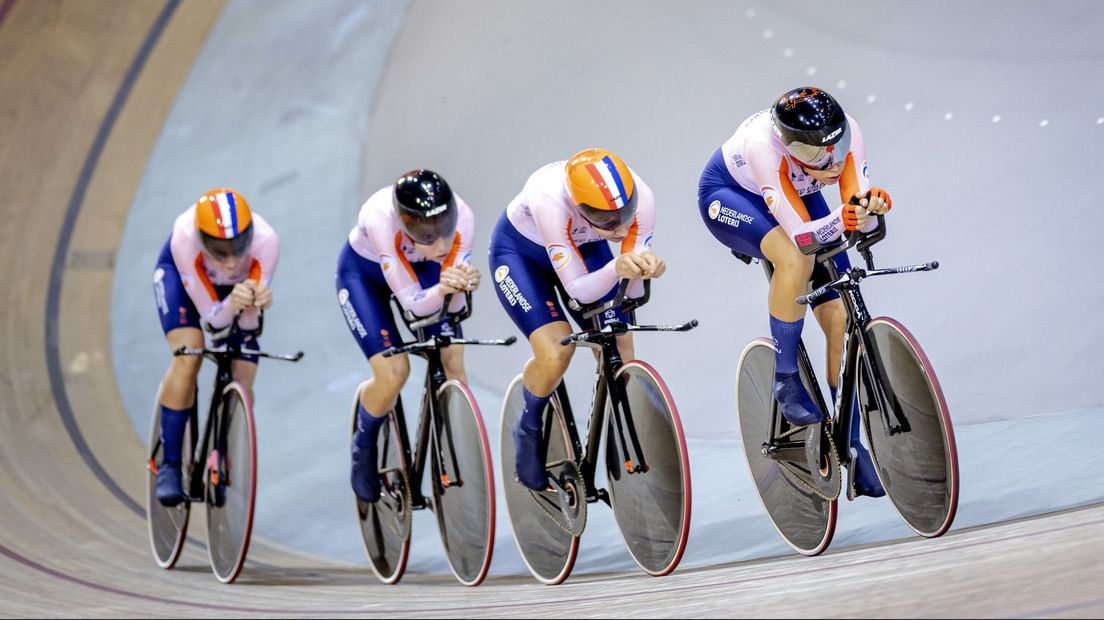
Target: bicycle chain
{"x":580,"y":496}
{"x":798,"y":475}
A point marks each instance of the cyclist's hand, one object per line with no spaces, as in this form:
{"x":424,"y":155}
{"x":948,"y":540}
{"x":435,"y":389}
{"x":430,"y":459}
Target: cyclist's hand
{"x":854,"y":216}
{"x":262,"y":297}
{"x":656,"y":266}
{"x":876,"y":201}
{"x":471,"y":276}
{"x":630,"y":265}
{"x":452,"y":281}
{"x":242,"y":295}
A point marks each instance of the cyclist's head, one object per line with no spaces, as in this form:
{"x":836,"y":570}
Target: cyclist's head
{"x":602,"y":188}
{"x":225,"y":224}
{"x":813,"y":127}
{"x":426,"y":207}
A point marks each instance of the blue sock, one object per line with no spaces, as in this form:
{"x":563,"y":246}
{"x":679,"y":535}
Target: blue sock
{"x":786,"y":337}
{"x":368,"y":427}
{"x":534,"y":407}
{"x":172,"y":433}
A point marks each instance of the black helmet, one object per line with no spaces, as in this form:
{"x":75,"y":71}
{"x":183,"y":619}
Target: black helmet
{"x":812,"y":126}
{"x":425,"y":206}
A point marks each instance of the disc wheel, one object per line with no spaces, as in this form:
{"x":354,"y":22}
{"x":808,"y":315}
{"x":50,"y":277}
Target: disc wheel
{"x":168,"y":525}
{"x":918,"y":467}
{"x":385,"y":524}
{"x":231,"y":484}
{"x":652,"y":504}
{"x":546,"y":544}
{"x":463,"y":484}
{"x":805,"y":520}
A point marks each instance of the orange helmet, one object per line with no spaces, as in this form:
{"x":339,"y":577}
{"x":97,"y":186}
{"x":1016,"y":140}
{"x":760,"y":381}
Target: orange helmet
{"x":602,"y":188}
{"x":224,"y":223}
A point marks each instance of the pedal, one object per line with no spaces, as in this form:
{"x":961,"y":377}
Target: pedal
{"x":851,"y":494}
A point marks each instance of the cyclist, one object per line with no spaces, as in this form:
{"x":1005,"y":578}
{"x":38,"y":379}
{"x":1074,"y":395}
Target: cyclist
{"x":553,"y":237}
{"x":218,"y":262}
{"x":760,"y":195}
{"x":412,"y":240}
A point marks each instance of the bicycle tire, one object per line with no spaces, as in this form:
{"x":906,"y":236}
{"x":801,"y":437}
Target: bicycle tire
{"x":547,"y":548}
{"x":806,"y":521}
{"x":919,"y":468}
{"x":465,"y":509}
{"x":231,"y":501}
{"x":652,"y":508}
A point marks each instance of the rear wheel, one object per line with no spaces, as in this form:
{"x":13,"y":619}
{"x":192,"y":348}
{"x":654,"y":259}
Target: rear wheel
{"x":231,"y":484}
{"x":386,"y":523}
{"x":805,"y":520}
{"x":168,"y":525}
{"x":918,"y":467}
{"x":463,"y":484}
{"x":652,"y":505}
{"x":542,"y":525}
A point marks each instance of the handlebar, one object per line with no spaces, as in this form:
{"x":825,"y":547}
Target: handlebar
{"x":415,"y":323}
{"x":228,"y":332}
{"x":619,"y":300}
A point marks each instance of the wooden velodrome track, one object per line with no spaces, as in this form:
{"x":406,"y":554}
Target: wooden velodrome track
{"x":84,"y":90}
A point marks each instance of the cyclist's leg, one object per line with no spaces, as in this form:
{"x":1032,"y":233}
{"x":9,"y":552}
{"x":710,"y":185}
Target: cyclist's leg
{"x":526,"y":287}
{"x":245,"y":373}
{"x":364,"y":298}
{"x":828,"y":309}
{"x":180,"y":323}
{"x":740,"y":220}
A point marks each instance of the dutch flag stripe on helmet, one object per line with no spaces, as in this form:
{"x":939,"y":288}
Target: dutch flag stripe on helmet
{"x":227,"y":215}
{"x":606,"y":176}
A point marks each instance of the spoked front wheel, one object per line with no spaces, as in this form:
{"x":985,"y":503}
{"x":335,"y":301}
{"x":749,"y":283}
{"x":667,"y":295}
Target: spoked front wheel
{"x":168,"y":525}
{"x":648,"y":471}
{"x":231,"y":484}
{"x":805,"y":520}
{"x":463,"y":484}
{"x":916,"y":457}
{"x":386,"y":523}
{"x":543,"y":526}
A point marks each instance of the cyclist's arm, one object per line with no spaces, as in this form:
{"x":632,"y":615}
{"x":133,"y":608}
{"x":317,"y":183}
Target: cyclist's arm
{"x":640,"y":233}
{"x":189,"y":263}
{"x":399,"y":273}
{"x":265,"y":250}
{"x":772,"y":173}
{"x":554,"y":227}
{"x":853,"y":181}
{"x":461,"y":251}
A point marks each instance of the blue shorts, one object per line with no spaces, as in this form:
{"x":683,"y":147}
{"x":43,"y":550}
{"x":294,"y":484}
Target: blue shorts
{"x":365,"y":300}
{"x":175,"y":308}
{"x":527,"y":284}
{"x":740,"y":219}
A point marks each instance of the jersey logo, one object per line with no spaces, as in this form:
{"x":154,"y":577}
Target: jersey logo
{"x":770,"y":196}
{"x":343,"y":296}
{"x":387,"y":263}
{"x":714,"y":209}
{"x":501,"y":273}
{"x":648,"y":241}
{"x":559,"y":255}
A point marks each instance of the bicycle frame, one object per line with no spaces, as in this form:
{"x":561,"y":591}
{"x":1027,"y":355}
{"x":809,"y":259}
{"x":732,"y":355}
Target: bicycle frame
{"x":859,"y":350}
{"x":604,"y":339}
{"x":214,"y":430}
{"x":429,"y":348}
